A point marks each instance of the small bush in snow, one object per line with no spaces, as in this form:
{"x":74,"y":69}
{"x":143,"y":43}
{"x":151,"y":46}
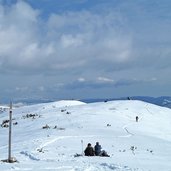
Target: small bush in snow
{"x":15,"y":123}
{"x":55,"y":127}
{"x":46,"y":127}
{"x":133,"y":148}
{"x":32,"y":116}
{"x":63,"y":110}
{"x":5,"y":124}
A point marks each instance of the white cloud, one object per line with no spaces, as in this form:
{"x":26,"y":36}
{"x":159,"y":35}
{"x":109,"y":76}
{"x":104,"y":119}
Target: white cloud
{"x":68,"y":40}
{"x":81,"y":79}
{"x":154,"y":79}
{"x":119,"y":42}
{"x":22,"y":89}
{"x":41,"y":88}
{"x":104,"y":79}
{"x":71,"y":41}
{"x":17,"y":33}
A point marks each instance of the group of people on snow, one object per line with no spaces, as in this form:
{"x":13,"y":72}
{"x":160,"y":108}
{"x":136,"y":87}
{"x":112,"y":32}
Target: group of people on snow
{"x":96,"y":151}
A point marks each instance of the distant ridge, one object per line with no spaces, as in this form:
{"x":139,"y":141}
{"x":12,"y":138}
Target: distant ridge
{"x":164,"y":101}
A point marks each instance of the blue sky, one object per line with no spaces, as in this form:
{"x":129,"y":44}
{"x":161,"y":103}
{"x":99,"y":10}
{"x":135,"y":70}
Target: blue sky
{"x":58,"y":49}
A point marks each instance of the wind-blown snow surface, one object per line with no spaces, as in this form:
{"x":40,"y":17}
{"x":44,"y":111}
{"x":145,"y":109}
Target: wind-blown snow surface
{"x":133,"y":146}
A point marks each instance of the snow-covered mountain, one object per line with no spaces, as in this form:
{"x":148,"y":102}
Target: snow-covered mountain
{"x":164,"y":101}
{"x":47,"y":136}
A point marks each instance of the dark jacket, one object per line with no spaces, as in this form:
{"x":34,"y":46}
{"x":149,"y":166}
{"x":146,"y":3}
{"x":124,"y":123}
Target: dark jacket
{"x":97,"y":149}
{"x":89,"y":151}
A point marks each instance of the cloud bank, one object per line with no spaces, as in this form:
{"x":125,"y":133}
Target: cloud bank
{"x":64,"y":41}
{"x":98,"y":45}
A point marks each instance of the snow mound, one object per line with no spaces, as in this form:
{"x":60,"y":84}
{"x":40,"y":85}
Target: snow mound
{"x":65,"y":103}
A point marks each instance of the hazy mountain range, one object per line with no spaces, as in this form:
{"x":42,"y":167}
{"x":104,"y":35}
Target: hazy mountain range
{"x":164,"y":101}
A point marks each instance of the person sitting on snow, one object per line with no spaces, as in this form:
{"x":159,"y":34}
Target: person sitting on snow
{"x":99,"y":151}
{"x":89,"y":151}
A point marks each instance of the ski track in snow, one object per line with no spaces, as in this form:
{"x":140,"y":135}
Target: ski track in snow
{"x":127,"y":131}
{"x":148,"y":110}
{"x":87,"y":136}
{"x":43,"y":145}
{"x":30,"y":156}
{"x":101,"y":167}
{"x":5,"y":146}
{"x":63,"y":137}
{"x":125,"y":128}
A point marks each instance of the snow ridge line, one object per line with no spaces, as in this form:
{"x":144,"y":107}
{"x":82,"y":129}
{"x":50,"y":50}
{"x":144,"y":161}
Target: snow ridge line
{"x":63,"y":137}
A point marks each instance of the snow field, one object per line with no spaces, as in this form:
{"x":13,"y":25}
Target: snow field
{"x":133,"y":146}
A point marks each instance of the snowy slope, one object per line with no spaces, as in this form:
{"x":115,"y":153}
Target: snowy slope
{"x":133,"y":146}
{"x":3,"y":109}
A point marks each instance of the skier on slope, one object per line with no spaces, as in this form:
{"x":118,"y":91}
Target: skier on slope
{"x":136,"y":118}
